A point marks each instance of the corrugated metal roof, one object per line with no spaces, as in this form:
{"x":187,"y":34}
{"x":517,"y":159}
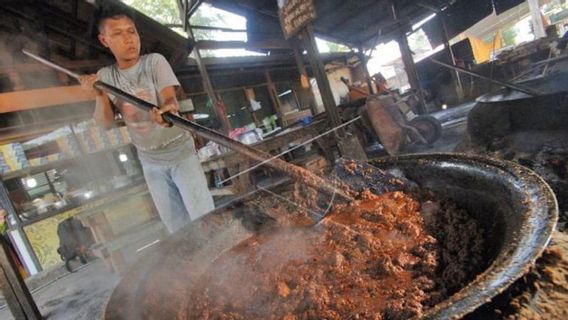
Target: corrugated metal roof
{"x":366,"y":22}
{"x":361,"y":22}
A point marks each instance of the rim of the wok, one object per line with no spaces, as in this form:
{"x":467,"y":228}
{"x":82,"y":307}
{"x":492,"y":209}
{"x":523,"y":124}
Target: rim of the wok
{"x":496,"y":278}
{"x":509,"y":95}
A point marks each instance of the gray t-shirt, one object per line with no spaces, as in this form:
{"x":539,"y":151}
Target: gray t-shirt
{"x":146,"y":79}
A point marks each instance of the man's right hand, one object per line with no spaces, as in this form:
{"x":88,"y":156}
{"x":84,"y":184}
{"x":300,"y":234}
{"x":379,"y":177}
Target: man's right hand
{"x":87,"y":83}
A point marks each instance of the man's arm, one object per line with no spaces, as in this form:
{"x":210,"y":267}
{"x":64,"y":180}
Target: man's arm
{"x":103,"y":115}
{"x":169,"y":104}
{"x":168,"y":96}
{"x":166,"y":82}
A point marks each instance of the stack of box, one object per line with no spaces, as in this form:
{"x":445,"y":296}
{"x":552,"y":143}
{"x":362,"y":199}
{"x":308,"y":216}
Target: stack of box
{"x":99,"y":138}
{"x":86,"y":141}
{"x":96,"y":139}
{"x":12,"y":158}
{"x":125,"y":135}
{"x":68,"y":146}
{"x":114,"y":137}
{"x":38,"y":161}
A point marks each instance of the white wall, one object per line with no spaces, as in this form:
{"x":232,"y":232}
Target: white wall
{"x":338,"y":88}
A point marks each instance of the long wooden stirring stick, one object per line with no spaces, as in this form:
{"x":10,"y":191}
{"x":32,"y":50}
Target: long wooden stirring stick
{"x":298,"y":173}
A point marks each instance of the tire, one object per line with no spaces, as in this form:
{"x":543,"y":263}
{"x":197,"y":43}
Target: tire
{"x":68,"y":265}
{"x":429,"y":127}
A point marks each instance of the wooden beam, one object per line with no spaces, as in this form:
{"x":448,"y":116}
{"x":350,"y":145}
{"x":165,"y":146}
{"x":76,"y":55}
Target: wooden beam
{"x":219,"y":29}
{"x":39,"y":98}
{"x":274,"y":97}
{"x":212,"y":45}
{"x":18,"y":291}
{"x":28,"y":131}
{"x":411,"y":72}
{"x":363,"y":59}
{"x":69,"y":64}
{"x":321,"y":77}
{"x":218,"y":104}
{"x":307,"y":95}
{"x":51,"y":22}
{"x":408,"y":60}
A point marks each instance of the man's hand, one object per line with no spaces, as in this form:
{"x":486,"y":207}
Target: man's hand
{"x":156,"y":114}
{"x":87,"y":83}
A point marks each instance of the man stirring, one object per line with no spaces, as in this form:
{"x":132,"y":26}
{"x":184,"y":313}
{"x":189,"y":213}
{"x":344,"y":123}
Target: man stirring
{"x":171,"y":168}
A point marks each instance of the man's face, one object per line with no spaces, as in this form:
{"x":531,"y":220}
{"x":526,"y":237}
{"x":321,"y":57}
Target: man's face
{"x":121,"y":37}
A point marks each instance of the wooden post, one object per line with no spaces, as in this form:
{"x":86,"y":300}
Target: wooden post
{"x":321,"y":77}
{"x":218,"y":105}
{"x":274,"y":97}
{"x":411,"y":72}
{"x":103,"y":234}
{"x":17,"y":295}
{"x":455,"y":74}
{"x":249,"y":95}
{"x":363,"y":60}
{"x":306,"y":87}
{"x":32,"y":264}
{"x":349,"y":145}
{"x":299,"y":57}
{"x":10,"y":297}
{"x":408,"y":60}
{"x":538,"y":24}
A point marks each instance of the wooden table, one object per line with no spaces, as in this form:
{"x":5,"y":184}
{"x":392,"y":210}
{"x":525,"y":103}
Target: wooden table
{"x":108,"y":242}
{"x":236,"y":162}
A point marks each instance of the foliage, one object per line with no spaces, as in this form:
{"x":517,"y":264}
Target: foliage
{"x":167,"y":12}
{"x":418,"y":42}
{"x":509,"y":37}
{"x":163,"y":11}
{"x":336,"y":47}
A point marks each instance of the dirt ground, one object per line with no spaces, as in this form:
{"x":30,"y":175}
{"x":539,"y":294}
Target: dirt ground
{"x":540,"y":294}
{"x":81,"y":295}
{"x":547,"y":296}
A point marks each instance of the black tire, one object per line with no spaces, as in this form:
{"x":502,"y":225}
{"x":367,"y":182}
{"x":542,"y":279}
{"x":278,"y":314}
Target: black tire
{"x":429,"y":127}
{"x":68,"y":265}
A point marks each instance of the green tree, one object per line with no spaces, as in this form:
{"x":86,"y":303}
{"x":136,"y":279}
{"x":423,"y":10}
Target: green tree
{"x":418,"y":42}
{"x":336,"y":47}
{"x":163,"y":11}
{"x":167,"y":12}
{"x":509,"y":37}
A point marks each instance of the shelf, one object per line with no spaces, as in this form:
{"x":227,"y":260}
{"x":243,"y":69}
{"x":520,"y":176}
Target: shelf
{"x":96,"y":203}
{"x":50,"y":165}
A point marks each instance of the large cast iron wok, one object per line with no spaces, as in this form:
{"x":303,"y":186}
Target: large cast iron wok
{"x":514,"y":205}
{"x":503,"y":113}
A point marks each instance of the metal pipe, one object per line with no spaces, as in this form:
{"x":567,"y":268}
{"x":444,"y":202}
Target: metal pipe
{"x":51,"y":64}
{"x":298,"y":173}
{"x":515,"y":87}
{"x":456,"y":74}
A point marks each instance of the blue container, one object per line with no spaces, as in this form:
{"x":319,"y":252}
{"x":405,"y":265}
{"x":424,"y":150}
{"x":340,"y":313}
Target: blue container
{"x":306,"y":121}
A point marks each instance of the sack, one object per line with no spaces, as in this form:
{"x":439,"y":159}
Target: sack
{"x":74,"y":241}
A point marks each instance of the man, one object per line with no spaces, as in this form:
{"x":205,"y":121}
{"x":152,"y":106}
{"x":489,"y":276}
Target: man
{"x":171,"y":168}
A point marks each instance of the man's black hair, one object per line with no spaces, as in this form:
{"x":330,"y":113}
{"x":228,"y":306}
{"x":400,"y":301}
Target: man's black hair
{"x":112,"y":12}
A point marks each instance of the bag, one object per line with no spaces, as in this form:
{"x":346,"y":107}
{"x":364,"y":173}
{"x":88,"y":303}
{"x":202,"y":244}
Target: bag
{"x":74,"y":241}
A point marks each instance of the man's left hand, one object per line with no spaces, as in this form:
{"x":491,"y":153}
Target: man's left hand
{"x":157,"y":114}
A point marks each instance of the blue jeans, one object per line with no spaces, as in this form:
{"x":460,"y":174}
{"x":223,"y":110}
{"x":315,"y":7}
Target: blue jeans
{"x":179,"y":190}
